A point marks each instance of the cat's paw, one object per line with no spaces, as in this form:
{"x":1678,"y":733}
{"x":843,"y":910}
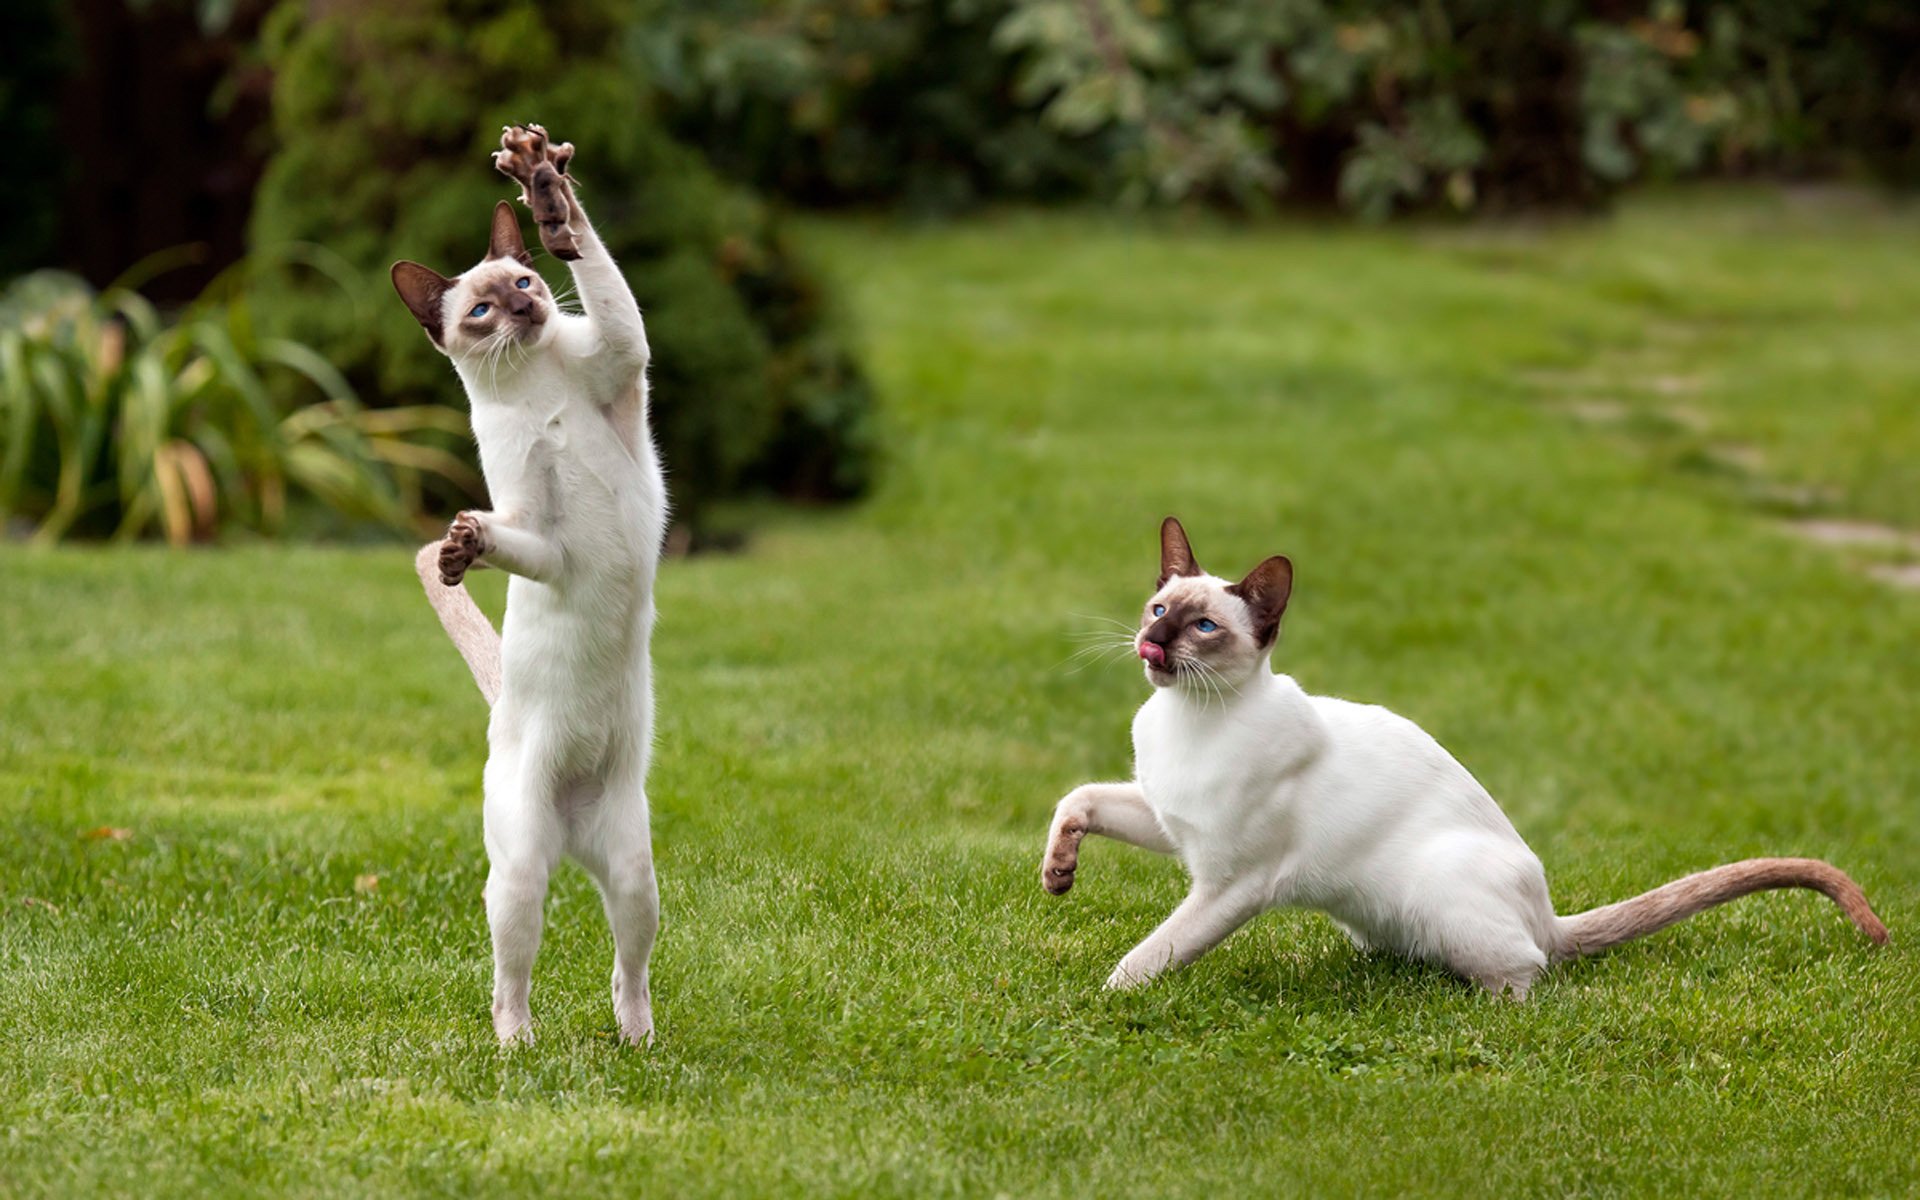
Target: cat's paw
{"x":466,"y":543}
{"x":633,"y":1013}
{"x":1125,"y":978}
{"x":513,"y":1028}
{"x":1063,"y":856}
{"x":528,"y":157}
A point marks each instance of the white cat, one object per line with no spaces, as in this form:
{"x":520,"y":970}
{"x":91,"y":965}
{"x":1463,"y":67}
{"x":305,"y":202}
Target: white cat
{"x":1272,"y":797}
{"x":559,"y":408}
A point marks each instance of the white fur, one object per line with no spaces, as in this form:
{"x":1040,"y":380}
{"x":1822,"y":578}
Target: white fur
{"x":579,"y":510}
{"x":1271,"y":798}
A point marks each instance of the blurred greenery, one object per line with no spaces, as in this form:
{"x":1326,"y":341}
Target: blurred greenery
{"x":384,"y":122}
{"x":382,"y":117}
{"x":117,"y":419}
{"x":852,"y":101}
{"x":1377,"y":105}
{"x":241,"y":936}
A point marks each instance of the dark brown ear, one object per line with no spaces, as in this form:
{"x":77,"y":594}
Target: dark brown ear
{"x":422,"y":288}
{"x":1176,"y":556}
{"x":1265,"y":591}
{"x":506,"y":241}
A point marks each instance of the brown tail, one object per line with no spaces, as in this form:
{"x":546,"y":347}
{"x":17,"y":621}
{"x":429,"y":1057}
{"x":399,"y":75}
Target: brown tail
{"x":473,"y":635}
{"x":1603,"y":928}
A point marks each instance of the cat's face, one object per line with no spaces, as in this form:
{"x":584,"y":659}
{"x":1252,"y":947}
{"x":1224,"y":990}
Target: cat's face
{"x":1198,"y":630}
{"x":502,"y":303}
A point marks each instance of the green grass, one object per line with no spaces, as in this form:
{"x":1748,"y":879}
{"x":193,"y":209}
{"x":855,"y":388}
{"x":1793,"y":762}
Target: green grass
{"x":865,"y":721}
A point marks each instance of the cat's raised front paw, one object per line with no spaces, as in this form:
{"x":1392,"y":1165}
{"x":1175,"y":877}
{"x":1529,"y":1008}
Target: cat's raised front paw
{"x":539,"y":166}
{"x":1063,"y":856}
{"x":465,"y":544}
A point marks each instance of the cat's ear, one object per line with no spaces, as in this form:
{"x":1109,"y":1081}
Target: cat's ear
{"x":1176,"y":556}
{"x":1264,"y":591}
{"x":506,"y":241}
{"x":422,"y":288}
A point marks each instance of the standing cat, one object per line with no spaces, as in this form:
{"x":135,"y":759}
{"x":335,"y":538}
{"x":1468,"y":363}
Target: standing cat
{"x":1272,"y":797}
{"x":559,"y":408}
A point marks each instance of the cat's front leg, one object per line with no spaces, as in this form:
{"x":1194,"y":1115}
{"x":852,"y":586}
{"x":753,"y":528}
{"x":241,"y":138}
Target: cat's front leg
{"x":1116,"y":810}
{"x":540,"y":166}
{"x":484,"y":539}
{"x":1203,"y":921}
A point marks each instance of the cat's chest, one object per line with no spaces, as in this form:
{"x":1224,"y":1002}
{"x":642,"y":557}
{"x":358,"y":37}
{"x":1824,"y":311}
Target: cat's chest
{"x":1210,"y":779}
{"x":553,"y":460}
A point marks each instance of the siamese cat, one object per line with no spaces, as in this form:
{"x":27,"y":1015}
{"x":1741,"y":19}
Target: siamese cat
{"x":559,"y":408}
{"x":1272,"y":797}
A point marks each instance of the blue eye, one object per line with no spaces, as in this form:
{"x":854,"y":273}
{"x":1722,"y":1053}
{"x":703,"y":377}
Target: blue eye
{"x":526,"y":281}
{"x":1204,"y":625}
{"x":479,"y":310}
{"x":1159,"y":610}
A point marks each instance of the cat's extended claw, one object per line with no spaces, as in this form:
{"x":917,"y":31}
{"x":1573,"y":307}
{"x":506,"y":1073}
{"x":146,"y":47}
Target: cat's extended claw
{"x":529,"y":157}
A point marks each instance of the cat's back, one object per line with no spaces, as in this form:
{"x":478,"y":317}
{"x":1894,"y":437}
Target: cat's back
{"x":1387,"y":765}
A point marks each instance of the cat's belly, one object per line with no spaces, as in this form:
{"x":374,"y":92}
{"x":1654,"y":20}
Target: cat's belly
{"x":576,"y":680}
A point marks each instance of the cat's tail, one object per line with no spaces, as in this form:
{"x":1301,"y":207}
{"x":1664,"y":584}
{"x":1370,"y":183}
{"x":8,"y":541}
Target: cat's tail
{"x":1603,"y":928}
{"x":473,"y":635}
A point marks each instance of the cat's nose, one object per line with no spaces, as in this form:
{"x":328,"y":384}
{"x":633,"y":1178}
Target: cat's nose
{"x":519,"y":305}
{"x":1154,"y":653}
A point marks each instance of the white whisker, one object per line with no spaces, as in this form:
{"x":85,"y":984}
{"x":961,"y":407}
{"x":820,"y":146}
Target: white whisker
{"x":1126,"y":625}
{"x":1094,"y":656}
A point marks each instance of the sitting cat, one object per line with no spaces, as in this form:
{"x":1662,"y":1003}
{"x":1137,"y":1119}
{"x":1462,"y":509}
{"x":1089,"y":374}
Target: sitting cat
{"x":559,"y":408}
{"x":1272,"y":797}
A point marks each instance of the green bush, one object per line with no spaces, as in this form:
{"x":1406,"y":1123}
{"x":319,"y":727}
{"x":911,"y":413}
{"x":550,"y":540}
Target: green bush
{"x":384,"y":125}
{"x":1375,"y":105}
{"x":1384,"y":106}
{"x":855,"y":101}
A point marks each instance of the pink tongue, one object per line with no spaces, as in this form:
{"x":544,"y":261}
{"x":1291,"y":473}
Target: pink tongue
{"x":1152,"y":652}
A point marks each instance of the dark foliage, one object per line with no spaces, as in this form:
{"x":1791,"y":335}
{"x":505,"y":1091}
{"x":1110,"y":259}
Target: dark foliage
{"x":1372,"y":104}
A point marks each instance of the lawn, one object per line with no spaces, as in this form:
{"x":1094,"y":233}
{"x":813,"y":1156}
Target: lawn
{"x":1532,"y":482}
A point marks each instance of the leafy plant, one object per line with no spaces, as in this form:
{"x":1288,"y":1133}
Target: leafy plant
{"x":116,"y":420}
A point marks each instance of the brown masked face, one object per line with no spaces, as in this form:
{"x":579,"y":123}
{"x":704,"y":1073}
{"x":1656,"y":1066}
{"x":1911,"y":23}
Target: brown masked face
{"x":499,"y":305}
{"x":1201,"y":631}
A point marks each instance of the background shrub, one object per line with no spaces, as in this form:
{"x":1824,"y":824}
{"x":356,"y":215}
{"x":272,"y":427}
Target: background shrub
{"x":367,"y":129}
{"x":858,"y":101}
{"x":383,"y":124}
{"x":1374,"y":105}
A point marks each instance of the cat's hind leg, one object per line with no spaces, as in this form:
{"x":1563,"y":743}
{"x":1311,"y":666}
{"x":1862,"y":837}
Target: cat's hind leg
{"x":616,"y":848}
{"x":524,"y":840}
{"x":1116,"y":810}
{"x":1482,"y":910}
{"x":1354,"y":935}
{"x":1503,"y":961}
